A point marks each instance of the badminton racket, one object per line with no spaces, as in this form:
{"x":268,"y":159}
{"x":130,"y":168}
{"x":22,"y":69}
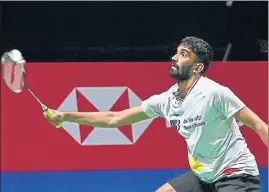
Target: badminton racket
{"x":13,"y":72}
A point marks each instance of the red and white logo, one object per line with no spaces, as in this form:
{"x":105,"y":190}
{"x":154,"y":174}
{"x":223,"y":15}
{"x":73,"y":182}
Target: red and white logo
{"x":103,"y":99}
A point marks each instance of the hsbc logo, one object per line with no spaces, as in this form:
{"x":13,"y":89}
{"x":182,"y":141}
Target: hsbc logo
{"x":90,"y":99}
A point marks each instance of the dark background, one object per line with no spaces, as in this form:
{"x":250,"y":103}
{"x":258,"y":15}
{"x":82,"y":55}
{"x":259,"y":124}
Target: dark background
{"x":130,"y":31}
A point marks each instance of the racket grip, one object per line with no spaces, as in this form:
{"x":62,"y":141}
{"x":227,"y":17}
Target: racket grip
{"x":49,"y":113}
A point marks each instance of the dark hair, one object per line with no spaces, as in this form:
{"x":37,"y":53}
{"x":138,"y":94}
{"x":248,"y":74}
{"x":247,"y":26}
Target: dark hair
{"x":202,"y":50}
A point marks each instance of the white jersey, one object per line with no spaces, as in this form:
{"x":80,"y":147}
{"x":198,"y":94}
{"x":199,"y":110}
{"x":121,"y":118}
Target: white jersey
{"x":204,"y":119}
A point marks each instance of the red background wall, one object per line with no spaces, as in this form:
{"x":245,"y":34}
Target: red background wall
{"x":29,"y":143}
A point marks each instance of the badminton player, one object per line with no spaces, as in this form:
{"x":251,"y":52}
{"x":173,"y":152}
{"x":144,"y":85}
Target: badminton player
{"x":204,"y":113}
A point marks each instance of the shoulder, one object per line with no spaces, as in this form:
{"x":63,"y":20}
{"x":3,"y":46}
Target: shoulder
{"x":153,"y":105}
{"x":211,"y":88}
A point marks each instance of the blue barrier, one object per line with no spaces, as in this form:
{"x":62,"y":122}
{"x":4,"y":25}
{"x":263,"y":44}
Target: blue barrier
{"x":95,"y":181}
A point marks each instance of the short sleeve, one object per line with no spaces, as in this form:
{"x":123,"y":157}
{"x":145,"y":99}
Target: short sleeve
{"x":225,"y":101}
{"x":152,"y":105}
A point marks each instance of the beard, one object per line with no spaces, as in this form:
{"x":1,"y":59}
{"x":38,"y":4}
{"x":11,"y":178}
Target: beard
{"x":180,"y":74}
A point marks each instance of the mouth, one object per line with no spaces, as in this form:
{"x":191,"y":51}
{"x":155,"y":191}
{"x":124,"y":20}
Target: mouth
{"x":173,"y":65}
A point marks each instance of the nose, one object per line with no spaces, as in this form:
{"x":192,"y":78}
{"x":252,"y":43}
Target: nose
{"x":174,"y":58}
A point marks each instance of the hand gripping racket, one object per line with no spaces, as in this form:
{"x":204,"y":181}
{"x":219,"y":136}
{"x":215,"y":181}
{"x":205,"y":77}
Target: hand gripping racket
{"x":12,"y":66}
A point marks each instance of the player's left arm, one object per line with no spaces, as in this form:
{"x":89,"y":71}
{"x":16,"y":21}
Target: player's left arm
{"x":250,"y":119}
{"x":230,"y":105}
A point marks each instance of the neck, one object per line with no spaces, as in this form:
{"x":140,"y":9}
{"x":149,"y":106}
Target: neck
{"x":183,"y":86}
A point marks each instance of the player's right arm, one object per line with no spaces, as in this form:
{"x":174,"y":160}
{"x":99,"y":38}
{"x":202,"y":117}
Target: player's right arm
{"x":108,"y":119}
{"x":150,"y":108}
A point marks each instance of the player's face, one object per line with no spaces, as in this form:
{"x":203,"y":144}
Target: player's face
{"x":182,"y":64}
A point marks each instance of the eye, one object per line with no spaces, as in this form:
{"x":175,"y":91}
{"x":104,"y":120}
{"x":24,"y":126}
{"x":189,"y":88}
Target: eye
{"x":184,"y":54}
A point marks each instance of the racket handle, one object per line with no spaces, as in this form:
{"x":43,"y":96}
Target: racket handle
{"x":49,"y":113}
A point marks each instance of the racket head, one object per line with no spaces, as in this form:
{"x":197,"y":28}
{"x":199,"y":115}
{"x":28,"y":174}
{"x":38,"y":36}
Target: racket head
{"x":13,"y":72}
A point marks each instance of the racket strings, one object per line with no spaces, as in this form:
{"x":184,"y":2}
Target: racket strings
{"x":13,"y":75}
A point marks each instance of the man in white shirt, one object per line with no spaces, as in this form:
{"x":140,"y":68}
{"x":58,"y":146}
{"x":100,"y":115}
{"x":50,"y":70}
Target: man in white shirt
{"x":204,"y":113}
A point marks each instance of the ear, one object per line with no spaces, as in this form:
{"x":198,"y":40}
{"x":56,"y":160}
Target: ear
{"x":198,"y":68}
